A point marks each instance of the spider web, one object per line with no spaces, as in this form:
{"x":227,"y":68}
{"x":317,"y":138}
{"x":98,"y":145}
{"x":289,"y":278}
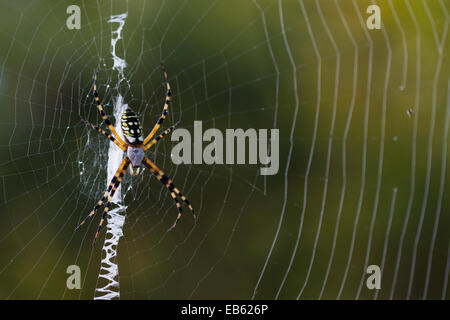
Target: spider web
{"x":364,"y":131}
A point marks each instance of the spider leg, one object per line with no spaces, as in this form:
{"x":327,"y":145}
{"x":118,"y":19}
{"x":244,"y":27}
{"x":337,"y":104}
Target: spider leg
{"x":168,"y":183}
{"x":102,"y":113}
{"x":178,"y":204}
{"x":155,"y":140}
{"x":165,"y":108}
{"x":103,"y":132}
{"x":174,"y":197}
{"x":108,"y":204}
{"x":110,"y":187}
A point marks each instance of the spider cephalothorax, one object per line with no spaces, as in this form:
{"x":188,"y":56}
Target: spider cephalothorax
{"x":136,"y":156}
{"x":134,"y":146}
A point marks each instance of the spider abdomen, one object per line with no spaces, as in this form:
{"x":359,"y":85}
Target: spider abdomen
{"x":131,"y":127}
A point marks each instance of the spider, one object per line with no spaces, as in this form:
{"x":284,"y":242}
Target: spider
{"x":135,"y":146}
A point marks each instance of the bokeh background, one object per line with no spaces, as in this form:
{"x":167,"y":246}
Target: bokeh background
{"x":360,"y":182}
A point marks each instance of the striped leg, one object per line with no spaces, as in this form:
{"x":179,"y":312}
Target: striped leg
{"x":172,"y":194}
{"x":160,"y":136}
{"x":103,"y":114}
{"x":108,"y":204}
{"x":165,"y":108}
{"x":178,"y":204}
{"x":110,"y":186}
{"x":110,"y":137}
{"x":168,"y":183}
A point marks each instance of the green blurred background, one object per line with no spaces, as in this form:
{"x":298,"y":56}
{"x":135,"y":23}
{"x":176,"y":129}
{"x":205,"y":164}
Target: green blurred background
{"x":360,"y":181}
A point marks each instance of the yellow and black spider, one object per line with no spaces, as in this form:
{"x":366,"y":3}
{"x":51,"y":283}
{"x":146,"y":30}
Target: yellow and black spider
{"x":134,"y":146}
